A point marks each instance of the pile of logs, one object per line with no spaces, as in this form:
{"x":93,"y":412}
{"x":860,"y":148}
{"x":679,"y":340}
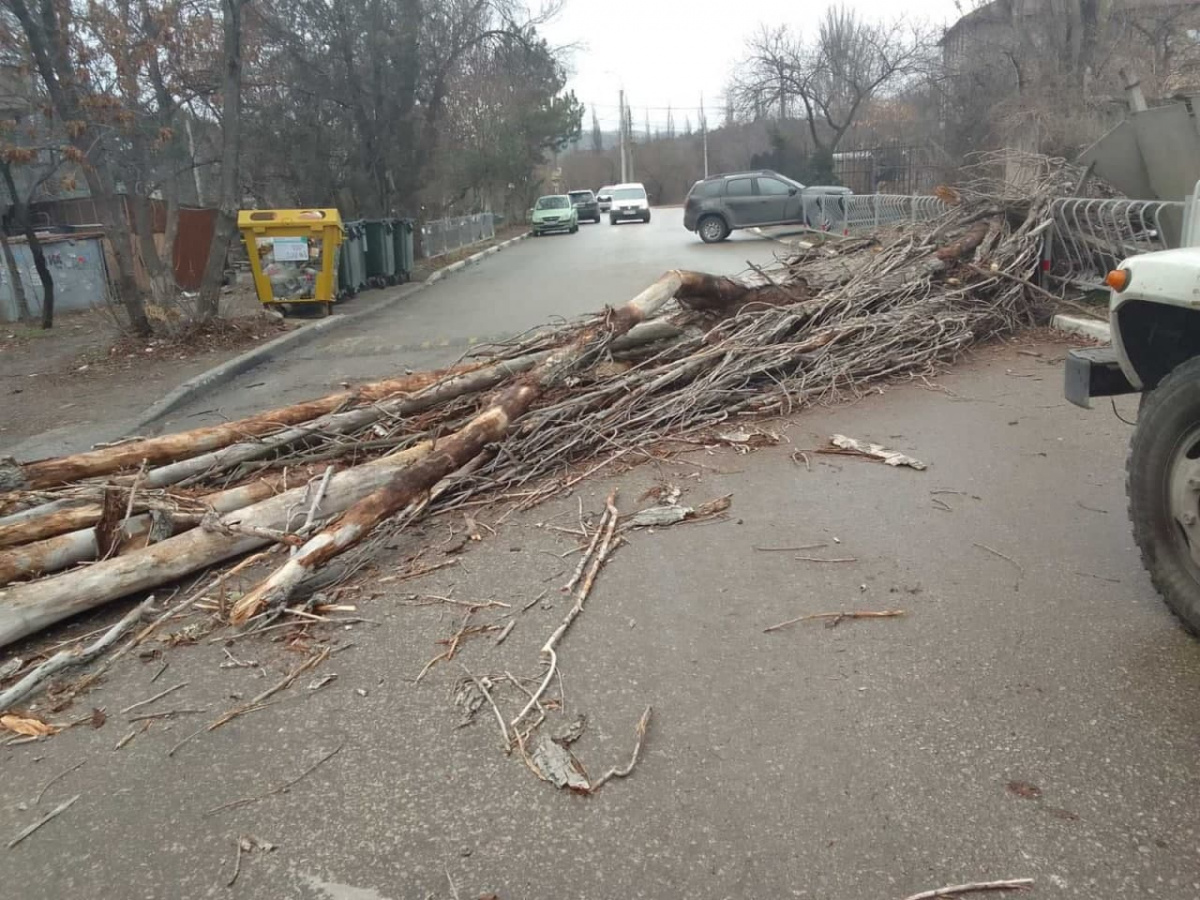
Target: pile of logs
{"x":521,"y":419}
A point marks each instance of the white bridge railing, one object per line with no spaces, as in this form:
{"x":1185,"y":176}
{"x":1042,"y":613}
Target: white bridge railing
{"x":1089,"y":237}
{"x":863,"y":213}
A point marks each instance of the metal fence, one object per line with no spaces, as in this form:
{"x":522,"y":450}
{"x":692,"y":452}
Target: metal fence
{"x":859,"y":213}
{"x":1091,"y":237}
{"x":443,"y":235}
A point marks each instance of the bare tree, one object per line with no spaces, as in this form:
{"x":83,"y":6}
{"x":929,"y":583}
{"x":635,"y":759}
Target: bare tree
{"x":832,"y":76}
{"x":208,"y":304}
{"x":48,"y":30}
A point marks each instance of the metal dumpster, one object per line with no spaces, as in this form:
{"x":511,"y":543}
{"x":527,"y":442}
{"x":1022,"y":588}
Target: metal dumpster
{"x":403,"y":239}
{"x":352,"y":263}
{"x":381,"y":252}
{"x":293,"y":254}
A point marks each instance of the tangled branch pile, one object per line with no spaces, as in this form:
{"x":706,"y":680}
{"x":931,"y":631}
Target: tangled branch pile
{"x":514,"y":420}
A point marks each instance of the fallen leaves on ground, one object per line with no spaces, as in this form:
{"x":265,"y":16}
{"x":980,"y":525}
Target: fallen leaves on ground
{"x":30,"y":726}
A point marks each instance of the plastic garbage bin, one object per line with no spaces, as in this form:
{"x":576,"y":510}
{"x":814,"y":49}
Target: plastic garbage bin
{"x":381,"y":252}
{"x":352,"y":263}
{"x":293,"y":255}
{"x":402,"y":236}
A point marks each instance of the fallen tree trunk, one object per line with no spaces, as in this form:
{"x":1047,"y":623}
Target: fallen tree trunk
{"x":29,"y":607}
{"x":477,"y":380}
{"x":169,"y":447}
{"x":488,"y":427}
{"x":57,"y":521}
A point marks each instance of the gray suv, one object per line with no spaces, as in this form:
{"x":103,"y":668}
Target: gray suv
{"x":721,"y":204}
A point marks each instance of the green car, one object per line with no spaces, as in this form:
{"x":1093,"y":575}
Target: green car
{"x":555,"y":212}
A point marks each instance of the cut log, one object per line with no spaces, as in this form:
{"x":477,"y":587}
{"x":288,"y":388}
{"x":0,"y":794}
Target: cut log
{"x":169,"y":447}
{"x":29,"y":607}
{"x":61,"y":517}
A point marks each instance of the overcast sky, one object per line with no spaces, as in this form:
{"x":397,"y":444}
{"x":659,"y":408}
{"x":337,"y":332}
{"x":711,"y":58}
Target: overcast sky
{"x":669,"y":51}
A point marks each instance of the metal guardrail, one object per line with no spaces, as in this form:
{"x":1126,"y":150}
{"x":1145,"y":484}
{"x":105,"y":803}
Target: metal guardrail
{"x":859,"y":213}
{"x":444,"y":235}
{"x":1091,"y":237}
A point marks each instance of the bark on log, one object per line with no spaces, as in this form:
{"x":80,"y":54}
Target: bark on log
{"x":170,"y":447}
{"x":29,"y":607}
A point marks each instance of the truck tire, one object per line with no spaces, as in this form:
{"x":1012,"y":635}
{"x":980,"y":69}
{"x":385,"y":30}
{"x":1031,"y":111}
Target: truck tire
{"x":1162,"y":482}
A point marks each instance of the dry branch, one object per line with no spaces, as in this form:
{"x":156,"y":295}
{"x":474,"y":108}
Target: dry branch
{"x":1014,"y":884}
{"x":66,"y":658}
{"x":835,"y":617}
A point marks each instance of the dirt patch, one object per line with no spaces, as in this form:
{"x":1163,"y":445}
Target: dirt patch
{"x":84,"y":370}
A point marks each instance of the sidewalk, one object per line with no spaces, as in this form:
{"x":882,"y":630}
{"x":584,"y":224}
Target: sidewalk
{"x":1031,"y":714}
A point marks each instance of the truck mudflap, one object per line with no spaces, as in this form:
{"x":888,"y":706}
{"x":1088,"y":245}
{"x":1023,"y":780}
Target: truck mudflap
{"x":1094,"y":372}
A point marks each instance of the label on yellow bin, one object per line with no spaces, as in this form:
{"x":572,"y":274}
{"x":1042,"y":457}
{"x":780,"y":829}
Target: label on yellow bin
{"x":291,"y":249}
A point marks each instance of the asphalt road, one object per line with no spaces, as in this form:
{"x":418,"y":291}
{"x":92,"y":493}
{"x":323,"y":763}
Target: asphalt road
{"x":1033,"y":714}
{"x":531,"y":283}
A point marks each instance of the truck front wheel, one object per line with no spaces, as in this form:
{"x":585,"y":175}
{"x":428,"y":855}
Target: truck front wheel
{"x":1162,"y":481}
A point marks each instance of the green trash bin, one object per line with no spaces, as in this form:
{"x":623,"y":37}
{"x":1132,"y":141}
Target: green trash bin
{"x":403,"y":238}
{"x":381,"y":252}
{"x":355,"y":250}
{"x":352,"y":264}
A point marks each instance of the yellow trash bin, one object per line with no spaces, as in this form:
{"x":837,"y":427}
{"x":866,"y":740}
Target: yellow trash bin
{"x":293,"y":254}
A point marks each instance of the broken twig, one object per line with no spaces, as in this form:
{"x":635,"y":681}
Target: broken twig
{"x":1014,"y":884}
{"x":53,"y":814}
{"x":836,"y":617}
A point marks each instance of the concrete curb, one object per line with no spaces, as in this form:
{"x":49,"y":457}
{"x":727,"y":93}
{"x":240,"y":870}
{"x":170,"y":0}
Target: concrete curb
{"x":1096,"y":329}
{"x":227,"y":371}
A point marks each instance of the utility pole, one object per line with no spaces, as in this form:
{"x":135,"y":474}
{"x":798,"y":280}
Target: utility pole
{"x":624,"y":152}
{"x":704,"y":131}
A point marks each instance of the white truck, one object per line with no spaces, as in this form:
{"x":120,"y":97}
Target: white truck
{"x":1154,"y":313}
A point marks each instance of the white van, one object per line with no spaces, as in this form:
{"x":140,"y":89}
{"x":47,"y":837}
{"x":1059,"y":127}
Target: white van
{"x":629,"y":201}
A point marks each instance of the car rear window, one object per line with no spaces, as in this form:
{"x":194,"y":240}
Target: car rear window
{"x":556,"y":202}
{"x":740,"y":187}
{"x":707,"y":189}
{"x":582,"y":196}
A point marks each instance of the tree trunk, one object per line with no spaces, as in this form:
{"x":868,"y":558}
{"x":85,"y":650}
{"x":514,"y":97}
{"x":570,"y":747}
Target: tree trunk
{"x":143,"y":224}
{"x":43,"y":270}
{"x":14,"y":275}
{"x":20,"y":216}
{"x":170,"y":447}
{"x":28,"y":608}
{"x":209,"y":302}
{"x":489,"y":427}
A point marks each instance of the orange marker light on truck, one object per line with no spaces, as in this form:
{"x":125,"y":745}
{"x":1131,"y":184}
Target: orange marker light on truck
{"x":1117,"y":279}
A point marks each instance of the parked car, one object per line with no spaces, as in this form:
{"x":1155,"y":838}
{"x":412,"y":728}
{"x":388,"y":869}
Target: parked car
{"x":719,"y":205}
{"x":587,"y":207}
{"x":604,"y":198}
{"x":554,"y":212}
{"x":629,"y":201}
